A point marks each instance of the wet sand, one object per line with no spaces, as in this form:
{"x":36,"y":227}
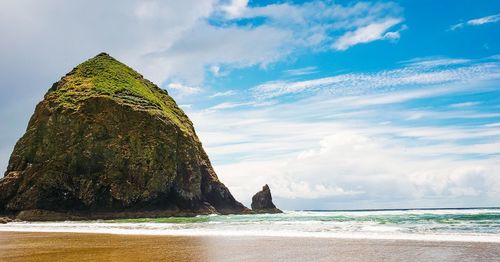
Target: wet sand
{"x":16,"y":246}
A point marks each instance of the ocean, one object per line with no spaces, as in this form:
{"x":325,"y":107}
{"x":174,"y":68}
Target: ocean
{"x":471,"y":225}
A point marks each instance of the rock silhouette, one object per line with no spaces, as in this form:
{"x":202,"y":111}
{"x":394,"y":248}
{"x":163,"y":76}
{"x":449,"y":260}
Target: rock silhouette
{"x":262,"y":202}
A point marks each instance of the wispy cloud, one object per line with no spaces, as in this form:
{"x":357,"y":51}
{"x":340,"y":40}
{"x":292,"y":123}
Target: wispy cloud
{"x":477,"y":21}
{"x":493,"y":125}
{"x":183,"y":90}
{"x":301,"y":71}
{"x":464,"y":104}
{"x":318,"y":23}
{"x":228,"y":105}
{"x":368,"y":33}
{"x":223,"y":94}
{"x":350,"y":84}
{"x":484,"y":20}
{"x":179,"y":41}
{"x":304,"y":155}
{"x":287,"y":28}
{"x":235,"y":8}
{"x":358,"y":144}
{"x":435,"y":61}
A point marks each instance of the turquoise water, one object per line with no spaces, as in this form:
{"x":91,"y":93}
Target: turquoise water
{"x":446,"y":224}
{"x":485,"y":221}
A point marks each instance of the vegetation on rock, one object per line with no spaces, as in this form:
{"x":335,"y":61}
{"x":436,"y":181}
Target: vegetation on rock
{"x":104,"y":76}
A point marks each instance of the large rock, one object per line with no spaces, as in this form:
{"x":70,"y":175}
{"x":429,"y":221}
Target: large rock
{"x":107,"y":143}
{"x":262,"y":202}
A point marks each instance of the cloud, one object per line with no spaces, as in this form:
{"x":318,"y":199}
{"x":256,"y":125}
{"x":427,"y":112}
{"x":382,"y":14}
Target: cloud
{"x":484,"y":20}
{"x":493,"y":125}
{"x":223,"y":94}
{"x":304,"y":157}
{"x":366,"y":34}
{"x":435,"y":61}
{"x":188,"y":56}
{"x":227,"y":105}
{"x":235,"y":8}
{"x":183,"y":90}
{"x":286,"y":28}
{"x":317,"y":24}
{"x":175,"y":41}
{"x":348,"y":149}
{"x":167,"y":41}
{"x":427,"y":72}
{"x":301,"y":71}
{"x":215,"y":69}
{"x":464,"y":104}
{"x":477,"y":22}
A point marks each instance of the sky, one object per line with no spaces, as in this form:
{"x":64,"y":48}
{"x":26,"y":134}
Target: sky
{"x":334,"y":104}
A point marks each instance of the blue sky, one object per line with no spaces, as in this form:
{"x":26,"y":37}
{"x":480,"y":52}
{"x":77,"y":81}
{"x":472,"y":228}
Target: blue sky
{"x":334,"y":104}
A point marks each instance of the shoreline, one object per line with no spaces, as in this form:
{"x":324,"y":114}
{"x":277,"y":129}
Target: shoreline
{"x":15,"y":246}
{"x":41,"y":215}
{"x":493,"y":239}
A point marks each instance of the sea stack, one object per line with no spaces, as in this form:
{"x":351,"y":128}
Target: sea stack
{"x":262,"y":202}
{"x":107,"y":143}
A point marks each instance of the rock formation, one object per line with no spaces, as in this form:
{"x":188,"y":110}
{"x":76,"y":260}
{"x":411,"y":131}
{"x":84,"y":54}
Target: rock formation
{"x":107,"y":143}
{"x":262,"y":202}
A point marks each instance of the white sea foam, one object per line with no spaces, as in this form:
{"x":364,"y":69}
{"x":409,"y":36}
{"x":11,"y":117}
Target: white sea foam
{"x":154,"y":229}
{"x":478,"y":225}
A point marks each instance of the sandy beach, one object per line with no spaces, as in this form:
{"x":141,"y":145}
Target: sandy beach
{"x":17,"y":246}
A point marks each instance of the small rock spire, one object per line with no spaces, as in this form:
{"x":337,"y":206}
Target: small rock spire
{"x":262,"y":201}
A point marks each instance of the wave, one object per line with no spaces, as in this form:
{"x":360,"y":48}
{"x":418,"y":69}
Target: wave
{"x":440,"y":225}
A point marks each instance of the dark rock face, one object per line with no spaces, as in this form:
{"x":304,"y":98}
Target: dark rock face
{"x":107,"y":143}
{"x":262,"y":202}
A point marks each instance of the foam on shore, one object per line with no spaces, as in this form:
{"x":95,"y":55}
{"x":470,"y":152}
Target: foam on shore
{"x":478,"y":225}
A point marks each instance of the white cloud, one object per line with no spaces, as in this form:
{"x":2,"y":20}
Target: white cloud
{"x":315,"y":24}
{"x":228,"y":105}
{"x":183,"y":90}
{"x":189,"y":55}
{"x":366,"y":34}
{"x":172,"y":41}
{"x":308,"y":159}
{"x":456,"y":26}
{"x":477,"y":21}
{"x":493,"y":125}
{"x":435,"y":61}
{"x":484,"y":20}
{"x":235,"y":8}
{"x":223,"y":94}
{"x":352,"y":84}
{"x":287,"y":28}
{"x":301,"y":71}
{"x":215,"y":69}
{"x":345,"y":152}
{"x":464,"y":104}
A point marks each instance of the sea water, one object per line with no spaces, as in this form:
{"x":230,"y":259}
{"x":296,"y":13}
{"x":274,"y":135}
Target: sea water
{"x":478,"y":225}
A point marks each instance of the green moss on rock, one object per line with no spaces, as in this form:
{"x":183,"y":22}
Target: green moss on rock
{"x":103,"y":75}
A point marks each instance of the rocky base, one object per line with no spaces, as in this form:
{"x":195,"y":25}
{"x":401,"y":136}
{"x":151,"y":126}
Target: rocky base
{"x":46,"y":215}
{"x":268,"y":211}
{"x":5,"y":220}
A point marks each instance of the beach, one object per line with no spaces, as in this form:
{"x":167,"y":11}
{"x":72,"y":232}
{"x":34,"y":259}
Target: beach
{"x":42,"y":246}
